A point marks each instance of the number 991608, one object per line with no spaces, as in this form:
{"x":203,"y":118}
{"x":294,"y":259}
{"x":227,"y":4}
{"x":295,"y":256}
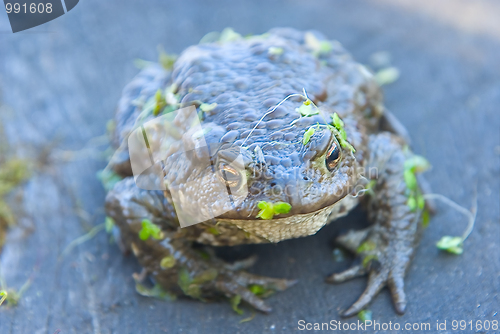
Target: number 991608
{"x":478,"y":325}
{"x":25,"y":8}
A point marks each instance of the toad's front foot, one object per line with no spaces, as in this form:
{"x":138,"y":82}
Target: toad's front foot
{"x":233,"y":283}
{"x":203,"y":278}
{"x":387,"y":247}
{"x":384,"y":259}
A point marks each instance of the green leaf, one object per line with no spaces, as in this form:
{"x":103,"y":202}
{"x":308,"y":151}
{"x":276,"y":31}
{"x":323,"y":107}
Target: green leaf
{"x":266,"y":210}
{"x":417,"y":164}
{"x":338,"y":126}
{"x":387,"y":76}
{"x":213,"y":230}
{"x":257,"y":289}
{"x":3,"y":296}
{"x":149,"y":230}
{"x":450,"y":244}
{"x":366,"y":246}
{"x":410,"y":179}
{"x":337,"y":122}
{"x":235,"y":301}
{"x":368,"y":258}
{"x":308,"y":134}
{"x":275,"y":51}
{"x":208,"y":107}
{"x":317,"y":47}
{"x":108,"y":224}
{"x":155,"y":292}
{"x":420,"y":201}
{"x":325,"y":47}
{"x":412,"y":203}
{"x":282,"y":207}
{"x":365,"y":315}
{"x":166,"y":60}
{"x":229,"y":35}
{"x":210,"y":37}
{"x":167,"y":262}
{"x":307,"y":109}
{"x":143,"y":234}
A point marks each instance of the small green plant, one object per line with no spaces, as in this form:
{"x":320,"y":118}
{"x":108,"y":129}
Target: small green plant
{"x":308,"y":134}
{"x":387,"y":75}
{"x":166,"y":60}
{"x":268,"y":209}
{"x":308,"y":108}
{"x":317,"y":47}
{"x":167,"y":262}
{"x":150,"y":230}
{"x":415,"y":164}
{"x":205,"y":107}
{"x":338,"y":125}
{"x":260,"y":290}
{"x":192,"y":286}
{"x":275,"y":51}
{"x":455,"y":244}
{"x":229,"y":35}
{"x":235,"y":302}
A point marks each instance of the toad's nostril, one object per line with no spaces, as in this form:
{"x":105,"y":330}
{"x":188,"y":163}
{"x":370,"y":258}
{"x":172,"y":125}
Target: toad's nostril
{"x":273,"y":184}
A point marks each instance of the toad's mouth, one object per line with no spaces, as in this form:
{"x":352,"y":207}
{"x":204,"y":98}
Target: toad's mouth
{"x":295,"y":226}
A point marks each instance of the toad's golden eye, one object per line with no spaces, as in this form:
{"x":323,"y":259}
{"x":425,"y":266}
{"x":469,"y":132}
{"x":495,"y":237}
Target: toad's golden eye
{"x":332,"y":157}
{"x":229,"y":175}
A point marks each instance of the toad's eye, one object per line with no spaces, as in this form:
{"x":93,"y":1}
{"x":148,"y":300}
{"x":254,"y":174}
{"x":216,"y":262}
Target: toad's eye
{"x":229,"y":175}
{"x":332,"y":157}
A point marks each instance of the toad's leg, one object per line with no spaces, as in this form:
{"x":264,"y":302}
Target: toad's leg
{"x":171,"y":260}
{"x":386,"y":247}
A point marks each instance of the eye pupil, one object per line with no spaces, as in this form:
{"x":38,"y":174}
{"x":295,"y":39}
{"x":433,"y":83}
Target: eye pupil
{"x":332,"y":157}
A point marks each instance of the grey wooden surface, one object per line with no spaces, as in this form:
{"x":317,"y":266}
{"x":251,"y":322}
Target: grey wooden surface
{"x":61,"y":82}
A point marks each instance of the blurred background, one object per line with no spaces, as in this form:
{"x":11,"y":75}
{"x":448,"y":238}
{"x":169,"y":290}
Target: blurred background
{"x":60,"y":83}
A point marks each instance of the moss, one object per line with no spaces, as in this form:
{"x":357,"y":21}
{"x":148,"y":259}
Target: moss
{"x":13,"y":172}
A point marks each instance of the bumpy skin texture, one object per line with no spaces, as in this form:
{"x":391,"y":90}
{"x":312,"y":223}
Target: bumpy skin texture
{"x":247,"y":80}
